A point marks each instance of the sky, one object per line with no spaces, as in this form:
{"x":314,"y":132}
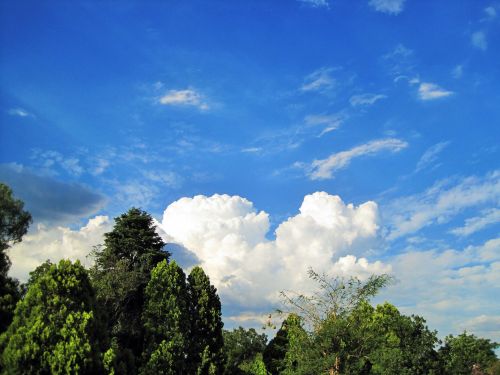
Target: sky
{"x":266,"y":138}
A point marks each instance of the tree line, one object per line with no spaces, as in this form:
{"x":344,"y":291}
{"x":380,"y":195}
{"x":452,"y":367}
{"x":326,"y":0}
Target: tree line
{"x":135,"y":311}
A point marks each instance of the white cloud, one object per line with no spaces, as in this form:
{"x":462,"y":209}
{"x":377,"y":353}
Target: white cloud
{"x":431,"y":91}
{"x":252,"y":150}
{"x":387,"y":6}
{"x":187,"y":97}
{"x":478,"y":40}
{"x":490,"y":12}
{"x":474,"y":224}
{"x":165,"y":178}
{"x":324,"y":169}
{"x":430,"y":155}
{"x":441,"y":202}
{"x":457,"y":71}
{"x":19,"y":112}
{"x":228,"y":235}
{"x":316,"y":3}
{"x":365,"y":99}
{"x":57,"y":243}
{"x":452,"y":289}
{"x":328,"y":122}
{"x":320,"y":80}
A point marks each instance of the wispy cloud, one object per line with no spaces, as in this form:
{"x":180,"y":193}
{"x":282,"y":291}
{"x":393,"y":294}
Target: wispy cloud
{"x":441,"y":202}
{"x":478,"y":40}
{"x":316,"y":3}
{"x":20,"y":112}
{"x":474,"y":224}
{"x":325,"y":168}
{"x":387,"y":6}
{"x":431,"y":91}
{"x":187,"y":97}
{"x":328,"y":122}
{"x":490,"y":12}
{"x":319,"y":80}
{"x":457,"y":71}
{"x":430,"y":155}
{"x":365,"y":99}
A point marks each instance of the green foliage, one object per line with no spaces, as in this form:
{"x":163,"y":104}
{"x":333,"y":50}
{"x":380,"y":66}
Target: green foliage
{"x":275,"y":354}
{"x":14,"y":223}
{"x":460,"y":354}
{"x":241,"y":345}
{"x":55,"y":329}
{"x":206,"y":354}
{"x":166,"y":321}
{"x":255,"y":366}
{"x":121,"y":272}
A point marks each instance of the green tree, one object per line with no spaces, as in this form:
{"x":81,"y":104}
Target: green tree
{"x":275,"y":354}
{"x":332,"y":344}
{"x":459,"y":355}
{"x":206,"y":354}
{"x":166,"y":321}
{"x":55,"y":329}
{"x":241,"y":345}
{"x":121,"y":272}
{"x":255,"y":366}
{"x":14,"y":223}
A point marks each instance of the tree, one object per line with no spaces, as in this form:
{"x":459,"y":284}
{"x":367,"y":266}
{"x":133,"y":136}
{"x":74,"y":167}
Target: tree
{"x":459,"y":355}
{"x":206,"y":355}
{"x":14,"y":223}
{"x":55,"y":329}
{"x":277,"y":351}
{"x":121,"y":272}
{"x":166,"y":321}
{"x":332,"y":344}
{"x":241,"y":345}
{"x":254,"y":367}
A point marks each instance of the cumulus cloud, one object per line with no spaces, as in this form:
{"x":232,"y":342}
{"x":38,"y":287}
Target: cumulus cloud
{"x":229,"y":237}
{"x":388,"y":6}
{"x":49,"y":200}
{"x":430,"y":155}
{"x":365,"y":99}
{"x":56,"y":243}
{"x":325,"y":168}
{"x":478,"y":40}
{"x":451,"y":283}
{"x":187,"y":97}
{"x":431,"y":91}
{"x":441,"y":202}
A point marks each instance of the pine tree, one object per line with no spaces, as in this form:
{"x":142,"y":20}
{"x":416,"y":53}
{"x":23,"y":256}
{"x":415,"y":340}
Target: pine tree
{"x":206,"y":354}
{"x":55,"y":329}
{"x":122,"y":270}
{"x":166,"y":321}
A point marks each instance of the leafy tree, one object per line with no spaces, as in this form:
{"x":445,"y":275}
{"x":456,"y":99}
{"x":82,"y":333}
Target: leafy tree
{"x":241,"y":345}
{"x":459,"y":355}
{"x":333,"y":345}
{"x":121,"y":272}
{"x":275,"y":354}
{"x":166,"y":321}
{"x":254,"y":367}
{"x":206,"y":356}
{"x":55,"y":329}
{"x":14,"y":223}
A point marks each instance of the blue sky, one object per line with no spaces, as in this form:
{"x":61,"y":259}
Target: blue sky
{"x":253,"y":107}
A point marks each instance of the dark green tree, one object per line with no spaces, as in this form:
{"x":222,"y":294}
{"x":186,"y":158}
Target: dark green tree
{"x":206,"y":352}
{"x":14,"y":223}
{"x":166,"y":321}
{"x":241,"y":345}
{"x":121,"y":272}
{"x":460,"y":354}
{"x":55,"y":329}
{"x":275,"y":354}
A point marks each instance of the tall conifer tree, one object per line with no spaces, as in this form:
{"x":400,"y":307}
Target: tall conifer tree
{"x":207,"y":356}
